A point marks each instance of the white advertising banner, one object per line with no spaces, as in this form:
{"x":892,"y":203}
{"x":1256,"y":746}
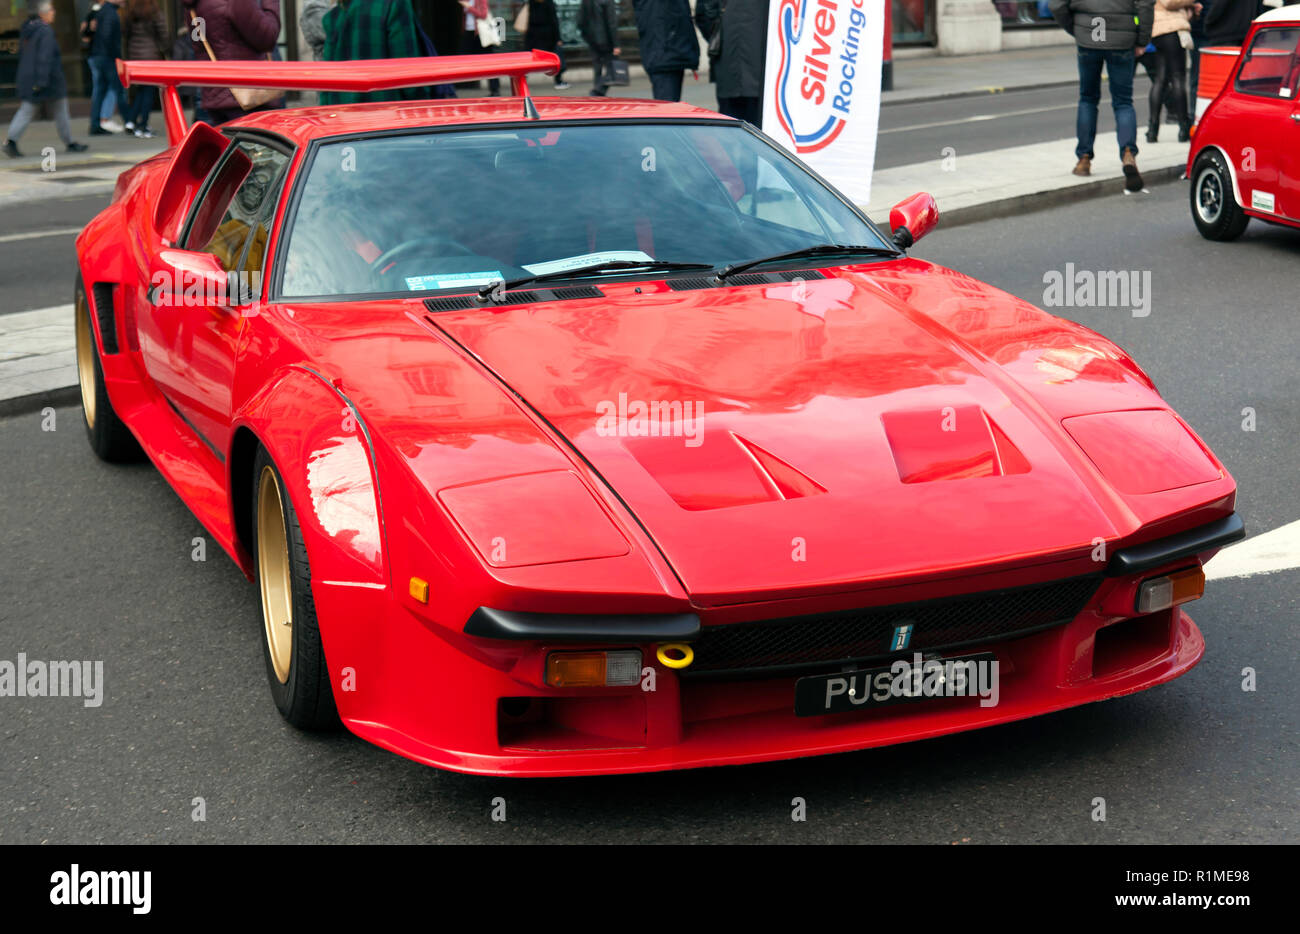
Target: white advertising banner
{"x":821,"y":95}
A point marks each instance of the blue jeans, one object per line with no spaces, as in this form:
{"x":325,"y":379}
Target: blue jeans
{"x":103,"y":76}
{"x":1119,"y":67}
{"x":141,"y":107}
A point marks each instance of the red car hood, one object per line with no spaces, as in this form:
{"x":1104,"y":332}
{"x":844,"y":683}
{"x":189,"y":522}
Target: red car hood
{"x":808,"y":437}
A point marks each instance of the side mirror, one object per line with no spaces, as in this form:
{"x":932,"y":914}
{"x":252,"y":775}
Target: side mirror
{"x":187,"y":278}
{"x":913,"y":218}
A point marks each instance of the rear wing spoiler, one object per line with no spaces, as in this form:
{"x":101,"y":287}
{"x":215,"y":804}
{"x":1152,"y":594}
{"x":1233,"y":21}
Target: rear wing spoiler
{"x":379,"y":74}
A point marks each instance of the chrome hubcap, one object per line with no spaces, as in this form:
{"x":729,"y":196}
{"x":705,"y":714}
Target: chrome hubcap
{"x":1209,"y":195}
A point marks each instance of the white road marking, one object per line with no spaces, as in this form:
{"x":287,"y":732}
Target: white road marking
{"x":1278,"y":550}
{"x":978,"y":118}
{"x":36,"y":234}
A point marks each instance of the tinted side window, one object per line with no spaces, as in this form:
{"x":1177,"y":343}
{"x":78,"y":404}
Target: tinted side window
{"x":1272,"y":66}
{"x":234,"y":220}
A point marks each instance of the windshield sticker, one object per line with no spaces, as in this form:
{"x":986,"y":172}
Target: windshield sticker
{"x":450,"y":280}
{"x":586,"y":259}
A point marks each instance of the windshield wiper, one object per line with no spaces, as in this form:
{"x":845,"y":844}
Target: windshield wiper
{"x":613,"y":265}
{"x":821,"y":249}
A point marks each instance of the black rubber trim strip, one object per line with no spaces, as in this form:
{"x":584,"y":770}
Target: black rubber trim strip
{"x":568,"y":627}
{"x":1141,"y":558}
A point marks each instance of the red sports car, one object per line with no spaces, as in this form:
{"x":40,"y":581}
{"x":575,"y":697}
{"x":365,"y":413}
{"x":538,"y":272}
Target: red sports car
{"x":1245,"y":155}
{"x":585,"y":436}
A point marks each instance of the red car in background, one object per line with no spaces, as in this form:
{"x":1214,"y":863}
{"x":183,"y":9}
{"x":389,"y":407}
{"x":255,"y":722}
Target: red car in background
{"x":1245,"y":155}
{"x":586,"y":436}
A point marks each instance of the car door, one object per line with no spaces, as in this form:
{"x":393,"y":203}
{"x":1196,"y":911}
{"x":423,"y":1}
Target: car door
{"x":195,"y":335}
{"x":1266,"y":85}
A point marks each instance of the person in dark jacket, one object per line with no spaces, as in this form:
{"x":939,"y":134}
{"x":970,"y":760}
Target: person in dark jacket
{"x":598,"y":23}
{"x":544,"y":33}
{"x":144,"y":29}
{"x":105,"y":50}
{"x":741,"y":47}
{"x":360,"y":29}
{"x":1228,"y":21}
{"x":1110,"y":34}
{"x":668,"y":44}
{"x":39,"y":78}
{"x":236,"y":31}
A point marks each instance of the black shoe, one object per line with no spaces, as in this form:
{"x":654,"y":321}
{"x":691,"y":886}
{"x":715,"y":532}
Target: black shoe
{"x":77,"y":147}
{"x":99,"y":131}
{"x":1132,"y":177}
{"x":11,"y":149}
{"x":1184,"y":133}
{"x":1153,"y":135}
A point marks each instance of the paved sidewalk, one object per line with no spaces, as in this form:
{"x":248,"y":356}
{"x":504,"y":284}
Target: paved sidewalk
{"x":38,"y":363}
{"x":1018,"y":179}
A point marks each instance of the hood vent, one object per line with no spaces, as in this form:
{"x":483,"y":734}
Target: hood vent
{"x":692,"y":283}
{"x":462,"y":302}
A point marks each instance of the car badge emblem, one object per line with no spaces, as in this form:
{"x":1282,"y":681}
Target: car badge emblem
{"x":902,"y":637}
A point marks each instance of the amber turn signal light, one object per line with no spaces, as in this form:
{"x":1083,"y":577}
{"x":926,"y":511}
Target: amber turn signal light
{"x":593,"y":669}
{"x":1160,"y":593}
{"x":419,"y":589}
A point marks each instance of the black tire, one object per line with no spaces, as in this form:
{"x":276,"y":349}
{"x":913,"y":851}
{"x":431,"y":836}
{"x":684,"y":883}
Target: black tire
{"x":108,"y":435}
{"x":1214,"y":206}
{"x":305,"y":697}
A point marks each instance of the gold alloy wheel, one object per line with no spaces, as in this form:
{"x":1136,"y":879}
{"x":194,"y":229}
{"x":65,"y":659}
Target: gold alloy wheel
{"x":273,"y":575}
{"x":86,"y":360}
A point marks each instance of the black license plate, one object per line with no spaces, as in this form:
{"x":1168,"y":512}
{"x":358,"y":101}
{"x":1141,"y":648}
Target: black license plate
{"x":868,"y":688}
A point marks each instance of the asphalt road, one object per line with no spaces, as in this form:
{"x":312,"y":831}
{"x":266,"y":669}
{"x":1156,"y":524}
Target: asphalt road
{"x":39,"y":271}
{"x":95,"y":563}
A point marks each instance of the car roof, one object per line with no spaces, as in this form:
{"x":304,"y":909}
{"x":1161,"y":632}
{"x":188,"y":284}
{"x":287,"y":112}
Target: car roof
{"x":1282,"y":14}
{"x":304,"y":124}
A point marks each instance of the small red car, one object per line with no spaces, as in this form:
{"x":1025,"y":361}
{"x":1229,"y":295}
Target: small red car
{"x":1245,"y":155}
{"x":586,"y":436}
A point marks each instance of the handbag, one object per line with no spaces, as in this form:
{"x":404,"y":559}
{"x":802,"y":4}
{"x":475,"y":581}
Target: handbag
{"x":491,"y":31}
{"x":619,"y":76}
{"x":521,"y":20}
{"x":246,"y":98}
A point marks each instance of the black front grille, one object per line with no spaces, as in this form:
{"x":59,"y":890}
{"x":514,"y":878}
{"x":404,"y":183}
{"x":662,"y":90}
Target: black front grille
{"x":860,"y":635}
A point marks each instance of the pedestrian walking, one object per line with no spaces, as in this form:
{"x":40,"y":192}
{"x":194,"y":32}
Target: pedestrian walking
{"x":1198,"y":43}
{"x":542,"y":31}
{"x":668,"y":45}
{"x":1228,"y":21}
{"x":477,"y":30}
{"x":87,"y":40}
{"x":1109,"y":34}
{"x":1171,"y":34}
{"x":598,"y":24}
{"x":39,"y":78}
{"x":106,"y":93}
{"x":233,"y":31}
{"x":736,"y":31}
{"x":362,"y":29}
{"x":144,"y":30}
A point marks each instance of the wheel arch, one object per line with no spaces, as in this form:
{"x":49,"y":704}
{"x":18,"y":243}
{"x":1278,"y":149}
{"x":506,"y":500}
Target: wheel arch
{"x":321,"y":449}
{"x":1232,"y":169}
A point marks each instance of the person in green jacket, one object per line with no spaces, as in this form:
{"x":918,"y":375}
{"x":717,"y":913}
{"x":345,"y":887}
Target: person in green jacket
{"x":361,"y":29}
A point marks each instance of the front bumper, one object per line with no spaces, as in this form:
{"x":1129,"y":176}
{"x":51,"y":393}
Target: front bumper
{"x":479,"y":706}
